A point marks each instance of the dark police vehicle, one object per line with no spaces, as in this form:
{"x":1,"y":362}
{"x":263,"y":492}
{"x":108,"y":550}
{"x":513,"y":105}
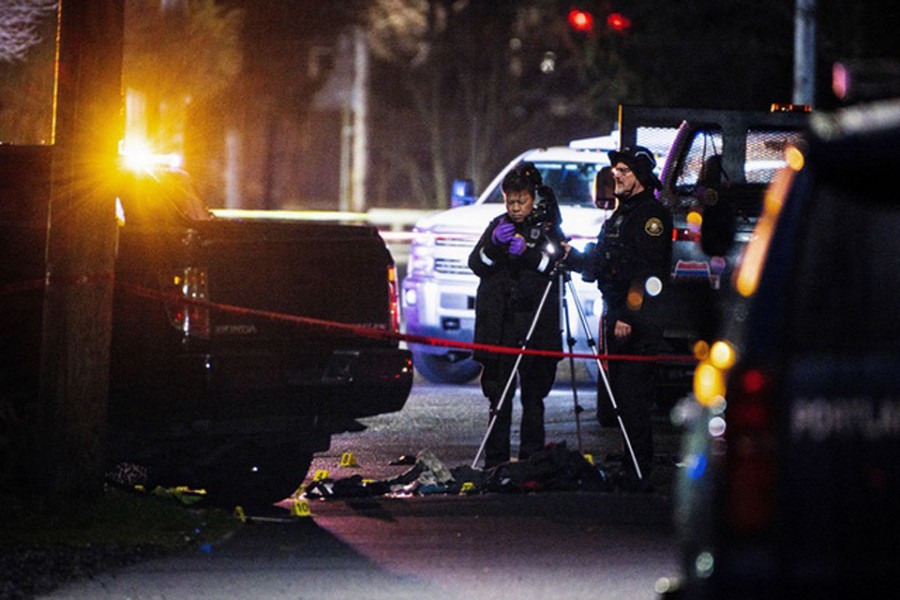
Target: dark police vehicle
{"x":792,"y":481}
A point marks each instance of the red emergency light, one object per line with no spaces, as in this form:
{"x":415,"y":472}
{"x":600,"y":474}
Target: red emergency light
{"x":618,"y":22}
{"x":581,"y":20}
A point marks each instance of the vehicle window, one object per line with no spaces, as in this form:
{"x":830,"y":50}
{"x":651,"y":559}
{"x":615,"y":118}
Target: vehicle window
{"x":706,"y":145}
{"x":657,"y":139}
{"x":765,"y":153}
{"x":572,"y":182}
{"x":848,"y":275}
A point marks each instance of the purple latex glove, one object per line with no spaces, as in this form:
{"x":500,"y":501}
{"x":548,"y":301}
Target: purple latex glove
{"x":517,"y":246}
{"x":503,"y":233}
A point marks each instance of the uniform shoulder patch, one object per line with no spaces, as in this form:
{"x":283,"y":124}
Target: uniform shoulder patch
{"x":653,"y":226}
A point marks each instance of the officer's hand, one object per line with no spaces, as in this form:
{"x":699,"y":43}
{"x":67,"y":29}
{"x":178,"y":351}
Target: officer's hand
{"x":623,"y":330}
{"x":517,"y":245}
{"x":503,"y":233}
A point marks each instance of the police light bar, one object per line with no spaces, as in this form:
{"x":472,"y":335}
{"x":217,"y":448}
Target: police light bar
{"x":602,"y":142}
{"x":778,"y":107}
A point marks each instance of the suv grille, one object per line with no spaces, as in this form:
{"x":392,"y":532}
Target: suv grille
{"x":451,"y":266}
{"x":455,"y":242}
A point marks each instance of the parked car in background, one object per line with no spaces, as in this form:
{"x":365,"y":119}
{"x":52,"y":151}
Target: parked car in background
{"x":791,"y":485}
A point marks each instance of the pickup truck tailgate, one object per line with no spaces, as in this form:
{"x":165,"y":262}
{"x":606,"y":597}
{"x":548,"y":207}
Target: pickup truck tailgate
{"x":263,"y":281}
{"x":335,"y":274}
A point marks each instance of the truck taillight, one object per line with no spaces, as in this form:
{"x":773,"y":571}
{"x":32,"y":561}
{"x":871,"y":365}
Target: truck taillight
{"x":750,"y":463}
{"x":393,"y":298}
{"x":691,"y":231}
{"x":186,"y":306}
{"x":684,"y":234}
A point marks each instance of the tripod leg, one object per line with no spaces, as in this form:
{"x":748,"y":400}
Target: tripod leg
{"x":515,"y":369}
{"x":605,"y":378}
{"x":605,"y":415}
{"x":570,"y":340}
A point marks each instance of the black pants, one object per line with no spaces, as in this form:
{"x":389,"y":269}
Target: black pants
{"x":632,"y":387}
{"x":535,"y":376}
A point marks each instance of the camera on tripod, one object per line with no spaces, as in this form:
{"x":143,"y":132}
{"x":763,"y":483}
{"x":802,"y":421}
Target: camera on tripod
{"x":544,"y":224}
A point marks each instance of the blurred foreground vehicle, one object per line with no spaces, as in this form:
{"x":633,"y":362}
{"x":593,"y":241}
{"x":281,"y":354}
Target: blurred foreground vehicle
{"x":219,"y":379}
{"x":791,"y":485}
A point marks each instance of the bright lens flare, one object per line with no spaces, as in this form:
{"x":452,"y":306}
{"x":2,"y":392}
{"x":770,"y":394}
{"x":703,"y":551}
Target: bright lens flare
{"x":722,"y":355}
{"x":653,"y":286}
{"x":794,"y":158}
{"x":701,"y":350}
{"x":709,"y":385}
{"x":694,"y":221}
{"x":747,"y":277}
{"x":635,"y":298}
{"x":138,"y":156}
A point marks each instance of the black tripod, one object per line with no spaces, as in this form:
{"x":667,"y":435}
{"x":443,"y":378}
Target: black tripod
{"x":565,"y":280}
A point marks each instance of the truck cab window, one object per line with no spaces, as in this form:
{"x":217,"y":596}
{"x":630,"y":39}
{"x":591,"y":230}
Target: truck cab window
{"x":765,"y":153}
{"x":706,"y":143}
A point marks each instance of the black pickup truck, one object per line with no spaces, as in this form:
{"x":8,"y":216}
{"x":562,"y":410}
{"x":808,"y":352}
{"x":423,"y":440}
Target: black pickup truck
{"x":239,"y":344}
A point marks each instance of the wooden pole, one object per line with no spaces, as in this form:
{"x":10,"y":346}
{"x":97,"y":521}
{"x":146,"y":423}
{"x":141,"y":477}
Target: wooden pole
{"x":70,"y":422}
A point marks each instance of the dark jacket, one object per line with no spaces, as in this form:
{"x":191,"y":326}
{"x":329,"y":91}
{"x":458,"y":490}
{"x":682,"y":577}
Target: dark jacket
{"x":634,"y":245}
{"x":510,"y":291}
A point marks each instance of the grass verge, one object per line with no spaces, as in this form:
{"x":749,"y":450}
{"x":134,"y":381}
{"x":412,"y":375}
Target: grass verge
{"x":39,"y":552}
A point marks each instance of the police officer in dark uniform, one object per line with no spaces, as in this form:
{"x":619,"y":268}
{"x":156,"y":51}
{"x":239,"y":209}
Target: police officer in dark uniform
{"x":514,"y":260}
{"x":631,"y":262}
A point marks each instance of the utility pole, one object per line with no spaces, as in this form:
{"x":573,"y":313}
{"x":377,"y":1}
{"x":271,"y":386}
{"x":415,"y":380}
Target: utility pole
{"x":805,"y":52}
{"x":354,"y":159}
{"x":360,"y":100}
{"x":70,"y":421}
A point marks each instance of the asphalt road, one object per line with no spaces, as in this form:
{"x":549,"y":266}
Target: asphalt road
{"x":538,"y":545}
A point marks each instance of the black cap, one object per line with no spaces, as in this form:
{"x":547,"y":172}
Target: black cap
{"x":641,"y":161}
{"x":523,"y":176}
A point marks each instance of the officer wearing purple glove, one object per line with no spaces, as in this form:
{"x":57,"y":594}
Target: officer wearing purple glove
{"x":514,"y":263}
{"x":517,"y":245}
{"x":503,"y":233}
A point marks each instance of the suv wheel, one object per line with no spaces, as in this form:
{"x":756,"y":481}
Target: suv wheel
{"x":444,"y":368}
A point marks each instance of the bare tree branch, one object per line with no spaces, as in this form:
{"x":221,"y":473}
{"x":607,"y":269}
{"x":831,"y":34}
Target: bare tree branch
{"x":19,"y":21}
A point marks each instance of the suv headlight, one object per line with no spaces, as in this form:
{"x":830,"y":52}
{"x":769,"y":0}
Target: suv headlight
{"x":421,"y":255}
